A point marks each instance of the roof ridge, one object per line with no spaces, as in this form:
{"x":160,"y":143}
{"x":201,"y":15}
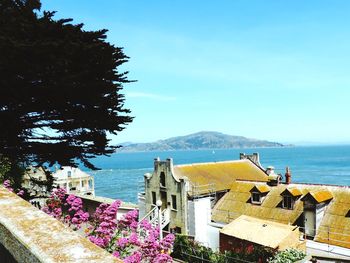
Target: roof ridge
{"x":206,"y":163}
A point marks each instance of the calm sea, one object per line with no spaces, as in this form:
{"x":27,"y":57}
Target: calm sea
{"x":122,"y":173}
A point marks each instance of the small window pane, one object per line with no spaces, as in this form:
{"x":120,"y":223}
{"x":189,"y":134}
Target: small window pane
{"x":162,"y":179}
{"x":256,"y":198}
{"x":173,"y":201}
{"x":154,"y":198}
{"x":287,"y":202}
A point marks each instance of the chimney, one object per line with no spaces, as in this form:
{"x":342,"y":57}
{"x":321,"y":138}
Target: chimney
{"x":288,"y":176}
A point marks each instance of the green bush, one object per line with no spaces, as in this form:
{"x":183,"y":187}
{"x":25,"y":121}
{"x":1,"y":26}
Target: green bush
{"x":189,"y":250}
{"x":289,"y":255}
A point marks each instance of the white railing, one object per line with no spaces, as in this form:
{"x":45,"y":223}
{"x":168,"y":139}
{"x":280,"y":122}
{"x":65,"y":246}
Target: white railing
{"x":153,"y":216}
{"x":165,"y":217}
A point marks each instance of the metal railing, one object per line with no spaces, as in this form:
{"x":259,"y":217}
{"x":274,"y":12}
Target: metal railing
{"x":153,"y":214}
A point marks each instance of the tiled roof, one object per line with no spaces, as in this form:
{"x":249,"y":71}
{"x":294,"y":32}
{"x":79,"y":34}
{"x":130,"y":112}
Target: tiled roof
{"x":294,"y":192}
{"x":262,"y":188}
{"x":236,"y":203}
{"x":334,"y":227}
{"x":319,"y":195}
{"x":262,"y":232}
{"x":218,"y":176}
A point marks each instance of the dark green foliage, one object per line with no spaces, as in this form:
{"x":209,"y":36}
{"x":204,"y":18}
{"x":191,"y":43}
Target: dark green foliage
{"x":190,"y":251}
{"x":14,"y":172}
{"x":11,"y":171}
{"x":59,"y":88}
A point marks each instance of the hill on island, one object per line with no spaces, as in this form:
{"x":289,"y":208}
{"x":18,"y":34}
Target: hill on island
{"x":198,"y":141}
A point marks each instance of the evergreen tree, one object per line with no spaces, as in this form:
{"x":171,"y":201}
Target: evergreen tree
{"x":60,"y":88}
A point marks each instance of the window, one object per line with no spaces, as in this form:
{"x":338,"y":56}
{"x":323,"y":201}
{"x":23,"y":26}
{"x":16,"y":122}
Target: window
{"x":173,"y":202}
{"x":256,"y":198}
{"x":154,"y":198}
{"x":288,"y":202}
{"x":82,"y":183}
{"x":176,"y":230}
{"x":90,"y":184}
{"x":162,"y":179}
{"x":69,"y":173}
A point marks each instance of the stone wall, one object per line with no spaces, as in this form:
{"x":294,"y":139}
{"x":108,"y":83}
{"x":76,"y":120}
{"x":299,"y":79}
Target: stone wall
{"x":30,"y":235}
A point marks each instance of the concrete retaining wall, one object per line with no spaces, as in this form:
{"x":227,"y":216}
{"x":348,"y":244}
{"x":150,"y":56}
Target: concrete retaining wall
{"x":30,"y":235}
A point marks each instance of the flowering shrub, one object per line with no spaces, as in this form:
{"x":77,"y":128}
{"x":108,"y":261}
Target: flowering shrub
{"x":125,"y":238}
{"x":7,"y":185}
{"x":67,"y":209}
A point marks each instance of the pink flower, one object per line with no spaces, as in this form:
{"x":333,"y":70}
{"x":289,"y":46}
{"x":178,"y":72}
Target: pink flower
{"x":122,"y":242}
{"x":116,"y":254}
{"x":162,"y":258}
{"x":7,"y":185}
{"x":136,"y":257}
{"x":134,"y":239}
{"x":98,"y":241}
{"x":20,"y":193}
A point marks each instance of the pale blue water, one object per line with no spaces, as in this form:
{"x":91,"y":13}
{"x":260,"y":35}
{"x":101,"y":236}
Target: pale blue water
{"x":121,"y":172}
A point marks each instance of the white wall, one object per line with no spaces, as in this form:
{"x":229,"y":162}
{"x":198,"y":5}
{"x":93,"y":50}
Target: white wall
{"x":199,"y":218}
{"x":191,"y":218}
{"x":142,"y":206}
{"x":213,"y":237}
{"x":320,"y":209}
{"x":123,"y":211}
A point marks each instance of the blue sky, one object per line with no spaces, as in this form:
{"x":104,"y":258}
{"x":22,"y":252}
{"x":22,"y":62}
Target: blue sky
{"x":276,"y":70}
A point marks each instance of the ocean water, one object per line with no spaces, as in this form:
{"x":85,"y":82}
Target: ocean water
{"x":121,"y":174}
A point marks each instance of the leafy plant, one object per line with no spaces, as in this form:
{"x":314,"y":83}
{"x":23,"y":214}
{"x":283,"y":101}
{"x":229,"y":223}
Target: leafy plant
{"x":189,"y":250}
{"x":289,"y":255}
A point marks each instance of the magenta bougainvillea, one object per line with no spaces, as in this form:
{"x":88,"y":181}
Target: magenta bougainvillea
{"x":126,"y":238}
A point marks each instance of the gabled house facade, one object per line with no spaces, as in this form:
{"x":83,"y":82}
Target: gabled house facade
{"x":189,"y":192}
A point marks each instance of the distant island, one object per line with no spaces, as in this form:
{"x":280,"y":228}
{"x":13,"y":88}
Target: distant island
{"x":199,"y":141}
